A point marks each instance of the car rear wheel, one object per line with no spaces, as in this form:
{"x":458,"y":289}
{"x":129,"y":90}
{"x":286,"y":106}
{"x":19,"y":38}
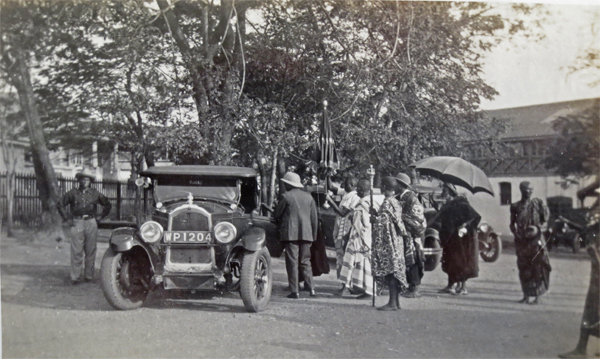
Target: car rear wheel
{"x":492,"y":248}
{"x":122,"y":278}
{"x":256,"y":280}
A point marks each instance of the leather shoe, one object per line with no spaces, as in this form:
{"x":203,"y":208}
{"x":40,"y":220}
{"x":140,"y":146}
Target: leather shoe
{"x":293,"y":296}
{"x":313,"y":293}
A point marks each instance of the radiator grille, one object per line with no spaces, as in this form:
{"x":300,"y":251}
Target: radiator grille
{"x":189,"y":221}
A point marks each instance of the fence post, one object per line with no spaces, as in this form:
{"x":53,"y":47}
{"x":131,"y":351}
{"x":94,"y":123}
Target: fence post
{"x":118,"y":200}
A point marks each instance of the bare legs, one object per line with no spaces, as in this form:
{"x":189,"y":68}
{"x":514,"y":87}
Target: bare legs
{"x":394,"y":301}
{"x":581,"y":348}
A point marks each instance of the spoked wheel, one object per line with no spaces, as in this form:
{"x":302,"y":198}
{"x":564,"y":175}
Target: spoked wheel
{"x":125,"y":279}
{"x":492,"y":247}
{"x":256,"y":280}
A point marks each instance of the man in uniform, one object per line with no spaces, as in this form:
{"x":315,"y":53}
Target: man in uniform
{"x":82,"y":218}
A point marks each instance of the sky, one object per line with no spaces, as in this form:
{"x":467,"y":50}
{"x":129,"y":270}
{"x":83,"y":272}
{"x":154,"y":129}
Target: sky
{"x":526,"y":72}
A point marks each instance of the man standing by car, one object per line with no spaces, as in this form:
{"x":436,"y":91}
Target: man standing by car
{"x":413,"y":216}
{"x":528,"y":220}
{"x":298,"y":221}
{"x":82,"y":218}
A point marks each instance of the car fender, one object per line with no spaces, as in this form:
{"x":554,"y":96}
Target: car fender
{"x":432,"y":233}
{"x":124,"y":239}
{"x":253,"y":239}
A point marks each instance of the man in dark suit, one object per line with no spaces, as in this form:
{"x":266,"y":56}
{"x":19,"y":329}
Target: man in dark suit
{"x":298,"y":221}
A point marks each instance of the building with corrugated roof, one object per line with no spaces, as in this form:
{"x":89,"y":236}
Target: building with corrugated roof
{"x":519,"y":156}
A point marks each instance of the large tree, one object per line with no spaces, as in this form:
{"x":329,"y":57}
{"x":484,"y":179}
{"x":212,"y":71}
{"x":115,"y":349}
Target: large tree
{"x":403,"y":79}
{"x":24,"y":45}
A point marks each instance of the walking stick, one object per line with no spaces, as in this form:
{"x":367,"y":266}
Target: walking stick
{"x":371,"y":174}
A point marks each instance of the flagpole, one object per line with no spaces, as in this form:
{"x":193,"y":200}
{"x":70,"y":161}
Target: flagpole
{"x":326,"y":168}
{"x":371,"y":174}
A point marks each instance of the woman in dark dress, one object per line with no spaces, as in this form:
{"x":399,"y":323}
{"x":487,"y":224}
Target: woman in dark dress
{"x":458,"y":223}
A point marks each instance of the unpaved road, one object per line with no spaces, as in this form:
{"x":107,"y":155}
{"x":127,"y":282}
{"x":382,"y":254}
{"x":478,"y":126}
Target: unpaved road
{"x":44,"y":317}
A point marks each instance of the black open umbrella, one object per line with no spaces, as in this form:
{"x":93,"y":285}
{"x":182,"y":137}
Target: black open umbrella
{"x":457,"y":171}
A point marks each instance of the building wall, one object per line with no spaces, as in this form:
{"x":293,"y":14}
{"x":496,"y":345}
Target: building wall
{"x":19,"y":149}
{"x":498,"y":215}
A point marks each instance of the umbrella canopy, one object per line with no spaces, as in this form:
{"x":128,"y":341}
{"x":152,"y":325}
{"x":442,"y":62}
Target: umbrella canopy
{"x":328,"y":158}
{"x":457,"y":171}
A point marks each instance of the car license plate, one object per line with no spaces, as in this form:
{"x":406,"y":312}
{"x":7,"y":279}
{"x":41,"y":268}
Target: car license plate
{"x":187,"y":237}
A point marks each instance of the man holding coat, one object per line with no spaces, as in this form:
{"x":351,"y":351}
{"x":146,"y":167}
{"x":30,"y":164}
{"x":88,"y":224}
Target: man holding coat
{"x":297,"y":216}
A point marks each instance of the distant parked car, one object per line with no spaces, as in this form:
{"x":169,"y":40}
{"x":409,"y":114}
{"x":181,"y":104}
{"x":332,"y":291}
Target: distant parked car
{"x":201,"y":232}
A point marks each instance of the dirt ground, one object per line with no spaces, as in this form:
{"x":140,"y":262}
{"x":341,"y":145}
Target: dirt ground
{"x":44,"y":317}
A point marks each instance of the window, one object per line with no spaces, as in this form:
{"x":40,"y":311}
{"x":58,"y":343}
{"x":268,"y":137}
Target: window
{"x":505,"y":193}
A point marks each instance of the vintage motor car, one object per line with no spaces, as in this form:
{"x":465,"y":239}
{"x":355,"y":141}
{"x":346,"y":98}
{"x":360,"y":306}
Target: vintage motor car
{"x":201,"y":231}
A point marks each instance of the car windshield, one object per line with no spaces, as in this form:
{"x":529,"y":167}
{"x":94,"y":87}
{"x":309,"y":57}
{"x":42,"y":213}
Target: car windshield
{"x":166,"y":189}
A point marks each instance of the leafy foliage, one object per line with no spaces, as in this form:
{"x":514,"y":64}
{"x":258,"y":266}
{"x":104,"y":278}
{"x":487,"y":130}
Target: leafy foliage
{"x":575,"y":151}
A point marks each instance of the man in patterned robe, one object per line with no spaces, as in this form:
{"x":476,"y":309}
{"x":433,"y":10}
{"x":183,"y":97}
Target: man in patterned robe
{"x":343,"y":221}
{"x":413,"y":216}
{"x":356,"y":269}
{"x":528,"y":220}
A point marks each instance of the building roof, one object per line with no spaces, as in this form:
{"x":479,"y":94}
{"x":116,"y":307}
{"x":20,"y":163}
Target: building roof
{"x":536,"y":120}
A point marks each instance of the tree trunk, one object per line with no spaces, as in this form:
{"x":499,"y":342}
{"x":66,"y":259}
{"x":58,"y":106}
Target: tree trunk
{"x":272,"y":187}
{"x":46,"y":180}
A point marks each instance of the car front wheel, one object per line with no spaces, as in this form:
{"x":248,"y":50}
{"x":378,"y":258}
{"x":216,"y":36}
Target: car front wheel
{"x":123,"y":279}
{"x":256,"y":280}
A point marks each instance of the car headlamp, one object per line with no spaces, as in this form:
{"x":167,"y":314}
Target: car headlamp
{"x":225,"y":232}
{"x":484,"y":227}
{"x":151,"y":232}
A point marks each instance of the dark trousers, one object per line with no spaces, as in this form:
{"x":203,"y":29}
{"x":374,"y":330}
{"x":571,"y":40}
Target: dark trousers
{"x":297,"y":259}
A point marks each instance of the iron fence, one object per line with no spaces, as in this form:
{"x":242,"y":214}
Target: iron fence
{"x":27,"y":206}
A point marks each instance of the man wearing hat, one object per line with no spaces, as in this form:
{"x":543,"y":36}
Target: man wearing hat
{"x":528,"y":220}
{"x":298,"y":221}
{"x":413,"y":216}
{"x":82,"y":217}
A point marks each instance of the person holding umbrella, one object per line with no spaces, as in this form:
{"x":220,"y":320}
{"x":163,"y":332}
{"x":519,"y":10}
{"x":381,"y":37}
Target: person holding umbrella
{"x":413,"y":216}
{"x":387,"y":255}
{"x":458,"y":235}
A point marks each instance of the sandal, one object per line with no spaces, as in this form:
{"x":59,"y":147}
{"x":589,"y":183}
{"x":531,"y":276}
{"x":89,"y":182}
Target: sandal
{"x":449,"y":290}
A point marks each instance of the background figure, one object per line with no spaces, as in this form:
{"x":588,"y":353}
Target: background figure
{"x":590,"y":322}
{"x":343,"y":222}
{"x":413,"y":216}
{"x":297,"y":217}
{"x":528,"y":220}
{"x":356,"y":269}
{"x":387,"y":256}
{"x":82,"y":218}
{"x":458,"y":234}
